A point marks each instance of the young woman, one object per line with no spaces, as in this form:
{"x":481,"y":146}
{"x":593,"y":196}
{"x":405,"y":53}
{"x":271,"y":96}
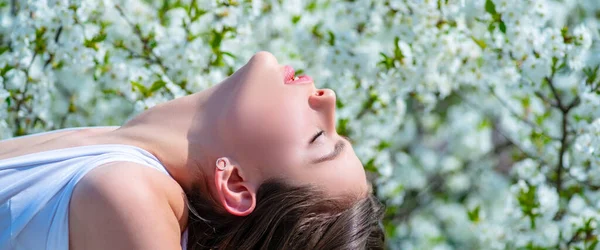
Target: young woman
{"x":252,"y":163}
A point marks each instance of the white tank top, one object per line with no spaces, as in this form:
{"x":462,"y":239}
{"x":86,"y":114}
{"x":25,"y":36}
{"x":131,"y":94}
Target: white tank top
{"x":35,"y":190}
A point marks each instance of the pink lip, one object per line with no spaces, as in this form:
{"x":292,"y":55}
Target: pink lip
{"x":289,"y":75}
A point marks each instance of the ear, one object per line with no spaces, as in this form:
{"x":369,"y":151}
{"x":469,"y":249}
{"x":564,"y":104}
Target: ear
{"x":236,"y":193}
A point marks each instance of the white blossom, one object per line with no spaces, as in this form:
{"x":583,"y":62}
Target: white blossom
{"x":456,"y":104}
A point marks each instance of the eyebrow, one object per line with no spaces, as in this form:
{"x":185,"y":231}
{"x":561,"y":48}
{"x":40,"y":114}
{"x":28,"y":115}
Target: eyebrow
{"x":337,"y":149}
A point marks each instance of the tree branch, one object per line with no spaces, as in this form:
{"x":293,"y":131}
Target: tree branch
{"x":56,"y":39}
{"x":138,"y":32}
{"x":500,"y":132}
{"x":525,"y":120}
{"x":555,"y":93}
{"x":13,"y":7}
{"x":152,"y":57}
{"x":565,"y":133}
{"x":21,"y":100}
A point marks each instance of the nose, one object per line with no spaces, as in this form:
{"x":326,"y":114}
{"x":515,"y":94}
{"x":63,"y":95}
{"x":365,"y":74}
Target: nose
{"x":323,"y":101}
{"x":264,"y":57}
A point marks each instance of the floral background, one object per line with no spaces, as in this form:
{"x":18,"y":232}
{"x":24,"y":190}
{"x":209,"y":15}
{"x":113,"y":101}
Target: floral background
{"x":479,"y":118}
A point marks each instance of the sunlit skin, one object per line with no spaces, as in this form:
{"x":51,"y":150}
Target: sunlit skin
{"x":268,"y":126}
{"x":262,"y":127}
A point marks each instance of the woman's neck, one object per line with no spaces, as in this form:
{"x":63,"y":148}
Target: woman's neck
{"x":178,"y":134}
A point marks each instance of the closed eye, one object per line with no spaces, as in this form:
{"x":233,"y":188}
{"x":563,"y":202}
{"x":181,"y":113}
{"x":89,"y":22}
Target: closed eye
{"x":316,"y":136}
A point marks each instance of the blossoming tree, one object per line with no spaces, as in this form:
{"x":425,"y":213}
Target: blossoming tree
{"x":478,"y":118}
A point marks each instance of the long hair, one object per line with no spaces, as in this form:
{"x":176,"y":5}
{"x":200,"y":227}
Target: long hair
{"x":287,"y":217}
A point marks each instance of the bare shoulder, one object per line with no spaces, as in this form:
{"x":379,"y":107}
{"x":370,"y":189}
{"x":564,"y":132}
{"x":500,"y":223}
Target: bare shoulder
{"x":14,"y":144}
{"x":48,"y":141}
{"x":125,"y":205}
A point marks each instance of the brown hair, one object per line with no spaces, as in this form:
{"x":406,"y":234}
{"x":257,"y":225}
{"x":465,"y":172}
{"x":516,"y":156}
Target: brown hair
{"x":287,"y":217}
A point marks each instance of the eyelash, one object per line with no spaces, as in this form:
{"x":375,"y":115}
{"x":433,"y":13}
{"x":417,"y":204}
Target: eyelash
{"x":317,"y":136}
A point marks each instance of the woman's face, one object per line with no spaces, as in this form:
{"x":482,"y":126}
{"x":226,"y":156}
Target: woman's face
{"x":279,"y":128}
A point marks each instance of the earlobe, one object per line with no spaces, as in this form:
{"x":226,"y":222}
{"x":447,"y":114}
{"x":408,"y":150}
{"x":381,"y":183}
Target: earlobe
{"x":236,"y":194}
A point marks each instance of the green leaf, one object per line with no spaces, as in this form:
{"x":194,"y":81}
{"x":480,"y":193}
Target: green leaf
{"x":157,"y":85}
{"x":368,"y":104}
{"x":398,"y":189}
{"x":216,"y":39}
{"x":311,"y":6}
{"x":4,"y":49}
{"x":386,"y":61}
{"x":474,"y":214}
{"x":296,"y":19}
{"x":73,"y":7}
{"x":192,"y":37}
{"x":92,"y":43}
{"x":398,"y":55}
{"x":140,"y":87}
{"x":316,"y":32}
{"x":331,"y":38}
{"x":529,"y":204}
{"x":162,"y":11}
{"x":58,"y":65}
{"x":370,"y":166}
{"x":21,"y":131}
{"x":338,"y":103}
{"x":111,"y":92}
{"x":6,"y":69}
{"x":502,"y":26}
{"x":593,"y":245}
{"x":199,"y":13}
{"x":390,"y":229}
{"x":229,"y":54}
{"x":480,"y":62}
{"x":104,"y":24}
{"x":99,"y":38}
{"x":492,"y":26}
{"x":591,"y":73}
{"x":479,"y":42}
{"x":485,"y":123}
{"x":342,"y":127}
{"x":106,"y":57}
{"x":490,"y":7}
{"x":383,"y":145}
{"x":40,"y":42}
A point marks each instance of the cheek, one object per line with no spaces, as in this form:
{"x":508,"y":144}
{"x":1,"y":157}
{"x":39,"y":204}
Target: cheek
{"x":273,"y":122}
{"x":274,"y":114}
{"x":271,"y":135}
{"x":270,"y":124}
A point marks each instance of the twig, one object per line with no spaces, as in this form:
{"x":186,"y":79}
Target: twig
{"x":56,"y":39}
{"x":152,"y":57}
{"x":499,"y":131}
{"x":565,"y":133}
{"x":555,"y":93}
{"x":525,"y":120}
{"x":573,"y":239}
{"x":545,"y":99}
{"x":138,"y":32}
{"x":13,"y":7}
{"x":563,"y":148}
{"x":21,"y":100}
